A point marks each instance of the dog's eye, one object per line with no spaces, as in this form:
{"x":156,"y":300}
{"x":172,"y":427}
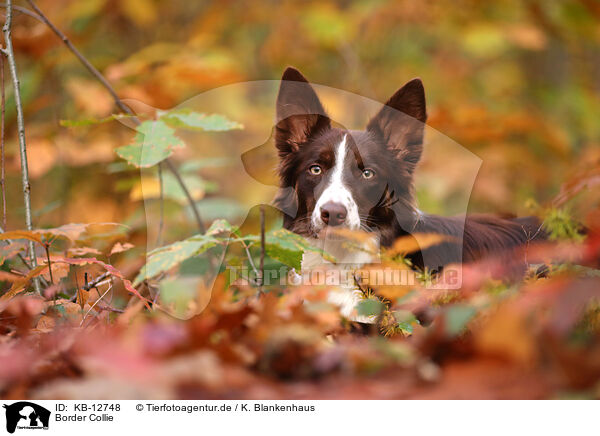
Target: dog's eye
{"x":368,"y":174}
{"x":315,"y":170}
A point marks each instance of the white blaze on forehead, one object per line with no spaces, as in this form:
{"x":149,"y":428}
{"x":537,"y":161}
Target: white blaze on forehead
{"x":337,"y":192}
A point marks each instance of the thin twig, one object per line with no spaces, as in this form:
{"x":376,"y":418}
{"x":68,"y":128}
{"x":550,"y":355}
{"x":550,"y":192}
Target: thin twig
{"x":189,"y":197}
{"x":47,"y":247}
{"x":78,"y":294}
{"x":21,"y":130}
{"x":161,"y":199}
{"x":122,"y":106}
{"x":262,"y":247}
{"x":24,"y":11}
{"x":109,"y":308}
{"x":94,"y":305}
{"x":156,"y":295}
{"x":98,"y":281}
{"x":251,"y":261}
{"x":2,"y":117}
{"x":358,"y":283}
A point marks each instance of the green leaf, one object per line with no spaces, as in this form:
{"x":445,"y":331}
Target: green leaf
{"x":221,"y":226}
{"x":369,"y":307}
{"x":164,"y":258}
{"x":287,"y":247}
{"x":188,"y":119}
{"x":561,"y":226}
{"x":92,"y":121}
{"x":457,"y":318}
{"x":153,"y":143}
{"x":405,"y":320}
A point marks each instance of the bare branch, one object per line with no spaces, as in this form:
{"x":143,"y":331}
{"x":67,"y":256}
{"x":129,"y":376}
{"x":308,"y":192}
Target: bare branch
{"x":189,"y":197}
{"x":94,"y":305}
{"x":47,"y":247}
{"x":109,"y":308}
{"x":97,"y":281}
{"x":6,"y":29}
{"x":24,"y":11}
{"x":251,"y":262}
{"x":2,"y":163}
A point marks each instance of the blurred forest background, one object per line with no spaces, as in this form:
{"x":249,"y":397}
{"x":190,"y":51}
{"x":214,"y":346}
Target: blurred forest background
{"x":515,"y":82}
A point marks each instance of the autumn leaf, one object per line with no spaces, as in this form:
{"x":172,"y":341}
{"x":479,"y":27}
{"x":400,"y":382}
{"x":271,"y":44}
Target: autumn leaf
{"x":417,"y":241}
{"x":19,"y":285}
{"x":73,"y":231}
{"x":22,"y":234}
{"x":121,"y":247}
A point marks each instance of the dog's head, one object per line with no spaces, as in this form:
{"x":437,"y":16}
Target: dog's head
{"x":338,"y":177}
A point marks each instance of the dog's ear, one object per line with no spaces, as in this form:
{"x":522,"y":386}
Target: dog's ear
{"x":400,"y":123}
{"x":300,"y":114}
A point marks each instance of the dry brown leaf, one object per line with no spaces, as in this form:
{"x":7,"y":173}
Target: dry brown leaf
{"x":505,"y":333}
{"x":121,"y":247}
{"x":18,"y":286}
{"x":390,"y":280}
{"x":59,"y":270}
{"x":22,"y":234}
{"x":9,"y":277}
{"x":45,"y":324}
{"x":82,"y":297}
{"x":82,"y":251}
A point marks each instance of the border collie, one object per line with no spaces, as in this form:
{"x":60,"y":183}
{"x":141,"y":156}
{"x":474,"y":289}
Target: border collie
{"x":363,"y":180}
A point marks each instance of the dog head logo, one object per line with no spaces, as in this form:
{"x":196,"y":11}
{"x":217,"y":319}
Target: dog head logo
{"x":26,"y":415}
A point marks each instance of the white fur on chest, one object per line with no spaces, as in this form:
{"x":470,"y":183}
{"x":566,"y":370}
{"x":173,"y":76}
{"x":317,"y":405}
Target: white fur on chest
{"x":345,"y":294}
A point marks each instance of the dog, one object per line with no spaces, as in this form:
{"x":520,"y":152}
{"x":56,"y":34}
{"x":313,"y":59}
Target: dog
{"x":330,"y":177}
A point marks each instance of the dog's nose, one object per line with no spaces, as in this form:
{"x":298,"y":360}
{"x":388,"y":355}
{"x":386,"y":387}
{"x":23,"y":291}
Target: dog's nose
{"x":333,"y":214}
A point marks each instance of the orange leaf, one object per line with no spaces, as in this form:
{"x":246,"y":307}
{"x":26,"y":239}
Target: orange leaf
{"x":506,"y":333}
{"x":416,"y":242}
{"x":19,"y":285}
{"x":22,"y":234}
{"x":119,"y":248}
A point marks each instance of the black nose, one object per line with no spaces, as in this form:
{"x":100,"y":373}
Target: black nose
{"x":333,"y":214}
